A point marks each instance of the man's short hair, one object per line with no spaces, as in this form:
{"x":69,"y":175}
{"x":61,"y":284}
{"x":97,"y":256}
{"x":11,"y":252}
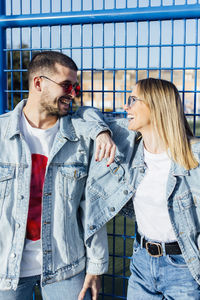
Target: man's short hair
{"x":47,"y":60}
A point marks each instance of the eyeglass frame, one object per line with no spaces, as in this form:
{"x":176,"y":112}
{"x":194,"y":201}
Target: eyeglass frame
{"x":63,"y":85}
{"x":132,"y":100}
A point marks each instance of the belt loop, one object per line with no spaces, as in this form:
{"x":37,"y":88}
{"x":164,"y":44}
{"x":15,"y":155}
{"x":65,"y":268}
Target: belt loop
{"x":163,"y":248}
{"x":141,"y":241}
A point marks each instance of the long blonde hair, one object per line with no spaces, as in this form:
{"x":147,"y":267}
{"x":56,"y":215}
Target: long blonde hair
{"x":163,"y":100}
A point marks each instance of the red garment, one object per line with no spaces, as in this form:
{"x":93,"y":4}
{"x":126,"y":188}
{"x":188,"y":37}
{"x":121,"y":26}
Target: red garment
{"x":39,"y":163}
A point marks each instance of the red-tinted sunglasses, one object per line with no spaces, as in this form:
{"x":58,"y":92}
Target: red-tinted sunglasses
{"x":67,"y":86}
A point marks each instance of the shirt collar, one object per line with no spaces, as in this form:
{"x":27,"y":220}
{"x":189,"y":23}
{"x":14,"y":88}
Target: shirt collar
{"x":66,"y":128}
{"x":138,"y":160}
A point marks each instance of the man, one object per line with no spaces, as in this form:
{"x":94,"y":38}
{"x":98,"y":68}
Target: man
{"x":44,"y":161}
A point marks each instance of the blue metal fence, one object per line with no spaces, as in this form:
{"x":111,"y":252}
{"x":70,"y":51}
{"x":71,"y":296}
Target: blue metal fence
{"x":114,"y":43}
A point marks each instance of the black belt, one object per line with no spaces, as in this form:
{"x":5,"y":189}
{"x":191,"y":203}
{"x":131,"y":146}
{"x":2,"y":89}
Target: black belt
{"x":156,"y":249}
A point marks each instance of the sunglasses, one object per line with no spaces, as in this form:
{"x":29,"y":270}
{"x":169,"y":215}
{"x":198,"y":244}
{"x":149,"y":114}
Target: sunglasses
{"x":67,"y":86}
{"x":132,"y":100}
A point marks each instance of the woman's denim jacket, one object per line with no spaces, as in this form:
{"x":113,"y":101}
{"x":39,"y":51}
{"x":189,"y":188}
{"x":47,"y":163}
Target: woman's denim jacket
{"x":110,"y":189}
{"x":64,"y":205}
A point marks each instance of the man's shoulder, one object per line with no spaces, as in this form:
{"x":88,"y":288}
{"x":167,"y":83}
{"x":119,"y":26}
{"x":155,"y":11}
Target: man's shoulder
{"x":5,"y":117}
{"x":5,"y":120}
{"x":13,"y":113}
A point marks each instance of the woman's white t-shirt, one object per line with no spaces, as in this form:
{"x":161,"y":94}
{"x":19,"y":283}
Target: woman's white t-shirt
{"x":150,"y":201}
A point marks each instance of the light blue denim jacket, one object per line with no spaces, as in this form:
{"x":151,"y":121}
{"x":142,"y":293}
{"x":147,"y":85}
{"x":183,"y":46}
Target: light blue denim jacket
{"x":64,"y":204}
{"x":110,"y":189}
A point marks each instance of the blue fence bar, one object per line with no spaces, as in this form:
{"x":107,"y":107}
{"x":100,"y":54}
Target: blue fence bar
{"x":2,"y":61}
{"x":100,"y":16}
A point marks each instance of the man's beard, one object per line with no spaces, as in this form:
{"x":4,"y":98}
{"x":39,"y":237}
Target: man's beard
{"x":53,"y":109}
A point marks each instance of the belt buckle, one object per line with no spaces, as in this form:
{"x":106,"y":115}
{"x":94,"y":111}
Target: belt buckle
{"x":159,"y":247}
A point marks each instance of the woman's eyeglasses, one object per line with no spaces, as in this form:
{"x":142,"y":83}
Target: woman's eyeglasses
{"x":67,"y":86}
{"x":132,"y":100}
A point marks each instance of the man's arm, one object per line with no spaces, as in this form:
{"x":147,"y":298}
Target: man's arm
{"x":96,"y":263}
{"x":94,"y":126}
{"x":94,"y":283}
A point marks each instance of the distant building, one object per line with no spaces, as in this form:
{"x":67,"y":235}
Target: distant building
{"x":108,"y":90}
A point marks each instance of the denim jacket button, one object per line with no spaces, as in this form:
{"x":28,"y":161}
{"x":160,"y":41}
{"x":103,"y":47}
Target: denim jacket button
{"x":125,"y":192}
{"x":112,"y":209}
{"x":92,"y":227}
{"x":47,"y":194}
{"x":198,"y":277}
{"x":22,"y":197}
{"x":142,"y":170}
{"x":13,"y":255}
{"x":17,"y":225}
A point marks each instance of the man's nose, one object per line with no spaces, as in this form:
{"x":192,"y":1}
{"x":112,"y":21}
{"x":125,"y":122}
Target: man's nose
{"x":72,"y":93}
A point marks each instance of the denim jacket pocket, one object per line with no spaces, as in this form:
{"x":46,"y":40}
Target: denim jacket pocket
{"x":71,"y":184}
{"x":189,"y":209}
{"x":105,"y":183}
{"x":6,"y":174}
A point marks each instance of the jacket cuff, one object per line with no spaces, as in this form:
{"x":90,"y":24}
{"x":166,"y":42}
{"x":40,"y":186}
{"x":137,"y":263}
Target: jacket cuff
{"x":97,"y":129}
{"x":96,"y":268}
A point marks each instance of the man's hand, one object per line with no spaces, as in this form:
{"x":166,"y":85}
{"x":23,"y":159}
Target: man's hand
{"x":105,"y":147}
{"x":94,"y":283}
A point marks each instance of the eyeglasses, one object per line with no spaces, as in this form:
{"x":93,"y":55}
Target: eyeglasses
{"x":132,"y":100}
{"x":67,"y":86}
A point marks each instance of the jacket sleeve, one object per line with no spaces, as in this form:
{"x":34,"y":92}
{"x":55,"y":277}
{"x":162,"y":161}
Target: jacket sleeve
{"x":96,"y":245}
{"x":91,"y":122}
{"x":97,"y":254}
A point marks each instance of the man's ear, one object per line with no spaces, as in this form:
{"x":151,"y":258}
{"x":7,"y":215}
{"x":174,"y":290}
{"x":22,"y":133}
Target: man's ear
{"x":37,"y":82}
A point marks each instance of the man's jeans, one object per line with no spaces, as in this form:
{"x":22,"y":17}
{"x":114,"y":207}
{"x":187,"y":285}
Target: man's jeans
{"x":165,"y":277}
{"x":63,"y":290}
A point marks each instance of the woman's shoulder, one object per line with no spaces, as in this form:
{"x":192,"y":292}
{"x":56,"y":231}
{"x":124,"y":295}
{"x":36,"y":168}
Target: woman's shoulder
{"x":195,"y":145}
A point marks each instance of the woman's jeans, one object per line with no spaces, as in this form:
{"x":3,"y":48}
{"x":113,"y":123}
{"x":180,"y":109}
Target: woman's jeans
{"x":164,"y":277}
{"x":68,"y":289}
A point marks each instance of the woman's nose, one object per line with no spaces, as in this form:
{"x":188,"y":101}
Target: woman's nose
{"x":125,"y":106}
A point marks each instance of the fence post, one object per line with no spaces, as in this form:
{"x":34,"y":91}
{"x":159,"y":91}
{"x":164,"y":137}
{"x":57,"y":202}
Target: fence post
{"x":2,"y":60}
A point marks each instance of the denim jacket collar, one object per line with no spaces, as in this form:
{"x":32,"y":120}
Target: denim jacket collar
{"x":66,"y":128}
{"x":177,"y":170}
{"x":138,"y":162}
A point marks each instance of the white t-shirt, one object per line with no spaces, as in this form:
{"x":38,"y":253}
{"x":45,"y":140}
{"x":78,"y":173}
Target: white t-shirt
{"x":40,"y":142}
{"x":150,"y":202}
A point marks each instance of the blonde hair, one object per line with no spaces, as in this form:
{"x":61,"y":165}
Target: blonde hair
{"x":163,"y":100}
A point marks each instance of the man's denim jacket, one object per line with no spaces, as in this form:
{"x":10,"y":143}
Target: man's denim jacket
{"x":63,"y":205}
{"x":110,"y":189}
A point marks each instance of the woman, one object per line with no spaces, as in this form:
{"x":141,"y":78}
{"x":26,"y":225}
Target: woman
{"x":157,"y":167}
{"x":167,"y":198}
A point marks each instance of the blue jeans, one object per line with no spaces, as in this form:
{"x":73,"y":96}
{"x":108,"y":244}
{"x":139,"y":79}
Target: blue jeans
{"x":68,"y":289}
{"x":165,"y":277}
